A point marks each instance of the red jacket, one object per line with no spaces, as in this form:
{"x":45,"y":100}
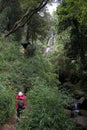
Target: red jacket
{"x":23,"y":97}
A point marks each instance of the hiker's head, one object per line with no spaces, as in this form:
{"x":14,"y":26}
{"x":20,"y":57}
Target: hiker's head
{"x":20,"y":94}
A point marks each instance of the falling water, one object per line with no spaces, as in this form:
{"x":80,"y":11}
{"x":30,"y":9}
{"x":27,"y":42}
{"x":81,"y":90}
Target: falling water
{"x":51,"y":41}
{"x":76,"y":107}
{"x":54,"y":40}
{"x":47,"y":49}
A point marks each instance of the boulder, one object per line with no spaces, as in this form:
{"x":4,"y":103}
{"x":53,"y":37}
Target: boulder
{"x":81,"y":121}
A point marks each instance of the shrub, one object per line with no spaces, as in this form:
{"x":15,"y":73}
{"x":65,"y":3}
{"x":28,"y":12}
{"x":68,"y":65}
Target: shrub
{"x":7,"y":103}
{"x":46,"y":110}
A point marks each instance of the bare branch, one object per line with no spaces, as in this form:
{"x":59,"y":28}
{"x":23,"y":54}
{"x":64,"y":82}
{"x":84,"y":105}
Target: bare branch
{"x":27,"y":17}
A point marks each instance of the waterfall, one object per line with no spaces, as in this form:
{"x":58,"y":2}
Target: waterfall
{"x":47,"y":49}
{"x":52,"y":38}
{"x":76,"y":106}
{"x":50,"y":41}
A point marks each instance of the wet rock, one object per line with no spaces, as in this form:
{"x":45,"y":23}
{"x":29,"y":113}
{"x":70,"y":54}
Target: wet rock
{"x":71,"y":114}
{"x":81,"y":120}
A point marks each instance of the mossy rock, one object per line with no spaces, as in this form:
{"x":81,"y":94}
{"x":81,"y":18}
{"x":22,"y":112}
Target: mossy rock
{"x":79,"y":93}
{"x":83,"y":112}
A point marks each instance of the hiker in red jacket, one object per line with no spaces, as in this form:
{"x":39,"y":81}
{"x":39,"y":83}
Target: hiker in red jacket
{"x":21,"y":103}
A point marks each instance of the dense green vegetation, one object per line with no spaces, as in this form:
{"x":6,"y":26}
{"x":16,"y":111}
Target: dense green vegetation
{"x":7,"y":101}
{"x":71,"y":25}
{"x":37,"y":75}
{"x":48,"y":80}
{"x":49,"y":113}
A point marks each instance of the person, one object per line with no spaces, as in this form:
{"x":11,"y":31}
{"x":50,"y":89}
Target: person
{"x":21,"y":103}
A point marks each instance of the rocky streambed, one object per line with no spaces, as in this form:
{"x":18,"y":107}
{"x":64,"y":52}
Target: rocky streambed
{"x":77,"y":110}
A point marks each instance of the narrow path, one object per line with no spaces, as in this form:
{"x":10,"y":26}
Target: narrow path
{"x":10,"y":125}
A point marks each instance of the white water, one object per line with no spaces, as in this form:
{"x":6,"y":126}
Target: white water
{"x":51,"y":41}
{"x":76,"y":107}
{"x":47,"y":49}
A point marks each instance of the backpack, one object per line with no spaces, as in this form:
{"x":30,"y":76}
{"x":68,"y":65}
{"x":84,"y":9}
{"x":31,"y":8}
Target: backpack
{"x":21,"y":104}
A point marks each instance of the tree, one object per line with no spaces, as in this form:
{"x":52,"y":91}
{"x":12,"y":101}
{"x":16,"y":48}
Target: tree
{"x":39,"y":27}
{"x":73,"y":14}
{"x":9,"y":15}
{"x":27,"y":16}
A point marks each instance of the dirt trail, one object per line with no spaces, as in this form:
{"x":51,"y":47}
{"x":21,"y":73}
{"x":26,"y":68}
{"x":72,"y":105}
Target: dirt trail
{"x":10,"y":125}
